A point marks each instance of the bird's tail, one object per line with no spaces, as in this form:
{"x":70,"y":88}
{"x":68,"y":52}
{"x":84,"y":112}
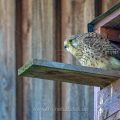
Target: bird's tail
{"x":114,"y":63}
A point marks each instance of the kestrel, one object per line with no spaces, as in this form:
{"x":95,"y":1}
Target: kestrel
{"x":93,"y":50}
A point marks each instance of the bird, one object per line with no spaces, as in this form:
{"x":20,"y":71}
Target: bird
{"x":94,"y":50}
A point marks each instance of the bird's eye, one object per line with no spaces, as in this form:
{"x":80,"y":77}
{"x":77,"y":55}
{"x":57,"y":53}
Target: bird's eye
{"x":70,"y":41}
{"x":73,"y":43}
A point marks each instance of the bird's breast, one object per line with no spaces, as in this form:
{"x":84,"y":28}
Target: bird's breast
{"x":108,"y":63}
{"x":96,"y":62}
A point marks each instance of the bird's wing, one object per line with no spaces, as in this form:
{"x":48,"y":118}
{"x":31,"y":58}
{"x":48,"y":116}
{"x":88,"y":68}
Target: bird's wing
{"x":98,"y":43}
{"x":115,"y":51}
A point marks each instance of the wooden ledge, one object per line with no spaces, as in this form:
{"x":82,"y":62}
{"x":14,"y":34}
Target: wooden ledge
{"x":68,"y":73}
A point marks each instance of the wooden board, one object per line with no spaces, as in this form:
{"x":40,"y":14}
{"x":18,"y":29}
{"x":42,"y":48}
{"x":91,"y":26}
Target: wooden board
{"x":68,"y":73}
{"x":107,"y":24}
{"x":107,"y":19}
{"x":38,"y":41}
{"x":111,"y":34}
{"x":75,"y":15}
{"x":115,"y":116}
{"x":7,"y":60}
{"x":109,"y":102}
{"x":106,"y":4}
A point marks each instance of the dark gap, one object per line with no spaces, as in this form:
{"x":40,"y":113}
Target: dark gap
{"x":18,"y":45}
{"x":98,"y":7}
{"x":58,"y":58}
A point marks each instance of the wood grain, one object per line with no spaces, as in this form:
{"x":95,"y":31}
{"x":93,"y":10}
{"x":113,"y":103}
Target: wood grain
{"x":76,"y":14}
{"x":111,"y":20}
{"x":26,"y":40}
{"x":111,"y":34}
{"x":38,"y":31}
{"x":115,"y":116}
{"x":107,"y":4}
{"x":68,"y":73}
{"x":7,"y":61}
{"x":36,"y":37}
{"x":109,"y":100}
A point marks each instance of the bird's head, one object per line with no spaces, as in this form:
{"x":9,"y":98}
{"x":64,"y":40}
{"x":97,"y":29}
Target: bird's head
{"x":71,"y":44}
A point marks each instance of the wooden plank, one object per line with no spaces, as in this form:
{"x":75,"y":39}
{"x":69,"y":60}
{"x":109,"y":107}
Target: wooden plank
{"x":106,"y":21}
{"x":110,"y":21}
{"x":109,"y":100}
{"x":75,"y":16}
{"x":68,"y":73}
{"x":38,"y":41}
{"x":104,"y":18}
{"x":111,"y":10}
{"x":115,"y":116}
{"x":114,"y":23}
{"x":106,"y":4}
{"x":111,"y":34}
{"x":7,"y":60}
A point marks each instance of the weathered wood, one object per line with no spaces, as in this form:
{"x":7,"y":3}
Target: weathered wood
{"x":106,"y":4}
{"x":7,"y":60}
{"x":107,"y":19}
{"x":68,"y":73}
{"x":39,"y":31}
{"x":109,"y":100}
{"x":38,"y":41}
{"x":110,"y":20}
{"x":115,"y":116}
{"x":111,"y":34}
{"x":75,"y":16}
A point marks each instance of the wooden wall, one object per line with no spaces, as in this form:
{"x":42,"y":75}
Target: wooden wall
{"x":38,"y":41}
{"x":37,"y":29}
{"x":75,"y":16}
{"x":106,"y":4}
{"x":7,"y":61}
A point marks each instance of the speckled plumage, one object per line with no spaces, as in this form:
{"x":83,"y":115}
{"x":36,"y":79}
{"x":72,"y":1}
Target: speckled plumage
{"x":93,"y":50}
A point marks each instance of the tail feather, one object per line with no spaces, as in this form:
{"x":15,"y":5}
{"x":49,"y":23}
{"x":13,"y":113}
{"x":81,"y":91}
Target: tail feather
{"x":114,"y":63}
